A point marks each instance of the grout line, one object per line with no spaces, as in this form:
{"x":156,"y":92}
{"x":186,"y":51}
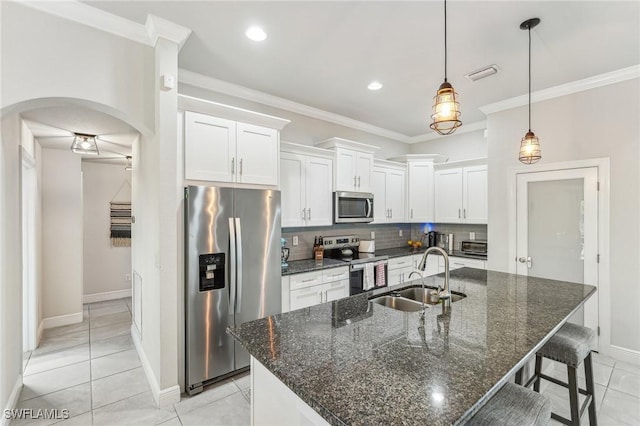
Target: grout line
{"x":57,"y":390}
{"x":113,"y":353}
{"x":116,"y":373}
{"x":120,"y":400}
{"x":59,"y":367}
{"x":115,"y":323}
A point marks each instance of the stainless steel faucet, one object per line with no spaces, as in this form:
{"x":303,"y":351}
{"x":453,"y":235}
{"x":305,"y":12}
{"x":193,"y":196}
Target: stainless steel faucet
{"x":445,"y":293}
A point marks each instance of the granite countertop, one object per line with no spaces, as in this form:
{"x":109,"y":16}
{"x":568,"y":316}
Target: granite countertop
{"x":359,"y":363}
{"x":309,"y":265}
{"x":408,"y":251}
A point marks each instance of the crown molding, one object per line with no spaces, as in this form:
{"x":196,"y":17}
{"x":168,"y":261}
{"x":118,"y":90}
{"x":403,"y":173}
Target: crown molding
{"x":158,"y":27}
{"x":588,"y":83}
{"x":99,"y":19}
{"x":205,"y":82}
{"x":465,"y":128}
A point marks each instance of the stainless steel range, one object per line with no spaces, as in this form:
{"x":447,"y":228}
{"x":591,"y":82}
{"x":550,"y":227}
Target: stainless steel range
{"x":366,"y":270}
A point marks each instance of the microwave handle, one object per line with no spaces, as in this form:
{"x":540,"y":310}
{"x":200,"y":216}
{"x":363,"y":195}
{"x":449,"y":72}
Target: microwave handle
{"x":369,"y":208}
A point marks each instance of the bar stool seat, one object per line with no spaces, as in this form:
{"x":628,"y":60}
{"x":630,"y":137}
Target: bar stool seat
{"x":513,"y":405}
{"x":571,"y":346}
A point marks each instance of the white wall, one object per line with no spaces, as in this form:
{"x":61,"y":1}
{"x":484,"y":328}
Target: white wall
{"x":61,"y":234}
{"x":302,"y":129}
{"x":51,"y":57}
{"x":10,"y":260}
{"x":104,"y":266}
{"x":462,"y":146}
{"x":602,"y":122}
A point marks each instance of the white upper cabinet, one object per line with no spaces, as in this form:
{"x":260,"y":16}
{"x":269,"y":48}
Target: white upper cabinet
{"x":420,"y":193}
{"x":461,"y":195}
{"x":388,"y":192}
{"x":305,"y":183}
{"x":229,"y":145}
{"x":353,"y":166}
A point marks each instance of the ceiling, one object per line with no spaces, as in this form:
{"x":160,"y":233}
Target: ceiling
{"x":54,"y":128}
{"x":323,"y":54}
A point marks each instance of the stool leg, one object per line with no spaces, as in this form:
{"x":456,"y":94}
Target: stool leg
{"x":573,"y":396}
{"x":588,"y":374}
{"x":536,"y":384}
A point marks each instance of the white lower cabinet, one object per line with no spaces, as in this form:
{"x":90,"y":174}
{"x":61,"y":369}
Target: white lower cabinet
{"x":399,"y":269}
{"x":462,"y":262}
{"x":312,"y":288}
{"x":432,"y":264}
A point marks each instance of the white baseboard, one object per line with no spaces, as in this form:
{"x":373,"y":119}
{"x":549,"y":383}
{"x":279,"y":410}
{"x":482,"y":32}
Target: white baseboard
{"x":107,"y":295}
{"x":162,"y":397}
{"x":62,"y":320}
{"x":13,"y":400}
{"x":623,"y":354}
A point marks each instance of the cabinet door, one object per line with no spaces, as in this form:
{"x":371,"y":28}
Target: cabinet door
{"x":209,"y":148}
{"x":420,"y":193}
{"x":336,"y":290}
{"x":379,"y":188}
{"x":474,"y":202}
{"x":448,"y":196}
{"x":394,"y":277}
{"x":258,"y":154}
{"x":345,"y":170}
{"x":431,"y":267}
{"x":305,"y":297}
{"x":318,"y":194}
{"x":292,"y":189}
{"x":395,"y":195}
{"x":364,"y":170}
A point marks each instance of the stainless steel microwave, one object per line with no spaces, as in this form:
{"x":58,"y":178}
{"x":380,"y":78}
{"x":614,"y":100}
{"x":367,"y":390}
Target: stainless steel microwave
{"x":352,"y":207}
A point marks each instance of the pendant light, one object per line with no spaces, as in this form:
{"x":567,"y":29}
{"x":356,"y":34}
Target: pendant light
{"x":85,"y":144}
{"x":446,"y":109}
{"x":529,"y":145}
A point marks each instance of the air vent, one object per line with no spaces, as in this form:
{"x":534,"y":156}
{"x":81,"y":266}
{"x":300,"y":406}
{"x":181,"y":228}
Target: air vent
{"x":483,"y":72}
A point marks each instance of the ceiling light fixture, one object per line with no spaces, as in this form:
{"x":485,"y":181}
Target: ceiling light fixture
{"x":446,"y":109}
{"x":85,"y":144}
{"x":374,"y":85}
{"x":256,"y":34}
{"x":529,"y":145}
{"x":483,"y":72}
{"x":129,"y":166}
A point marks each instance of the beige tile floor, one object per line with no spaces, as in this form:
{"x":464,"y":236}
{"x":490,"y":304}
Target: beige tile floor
{"x":93,"y":370}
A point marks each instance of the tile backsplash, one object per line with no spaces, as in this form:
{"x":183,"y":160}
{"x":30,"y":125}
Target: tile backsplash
{"x":386,"y":235}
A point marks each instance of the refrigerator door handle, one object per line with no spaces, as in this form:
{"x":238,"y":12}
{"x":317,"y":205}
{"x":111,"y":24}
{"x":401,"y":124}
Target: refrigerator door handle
{"x":239,"y":266}
{"x":232,"y":267}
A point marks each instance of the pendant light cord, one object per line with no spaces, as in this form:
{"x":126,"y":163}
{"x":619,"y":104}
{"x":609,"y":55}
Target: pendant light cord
{"x":445,"y":40}
{"x":529,"y":77}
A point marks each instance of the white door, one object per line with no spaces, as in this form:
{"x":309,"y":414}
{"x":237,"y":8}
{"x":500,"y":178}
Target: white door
{"x":364,"y":168}
{"x":395,"y":195}
{"x":318,"y":195}
{"x":557,"y":230}
{"x":292,"y":189}
{"x":346,"y":179}
{"x":420,"y":192}
{"x":448,"y":196}
{"x":474,"y":202}
{"x":257,"y":151}
{"x":209,"y":148}
{"x":379,"y":189}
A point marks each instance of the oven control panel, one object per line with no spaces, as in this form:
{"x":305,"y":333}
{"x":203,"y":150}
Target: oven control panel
{"x":341,"y":241}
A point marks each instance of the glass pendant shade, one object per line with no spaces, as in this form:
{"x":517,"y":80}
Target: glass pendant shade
{"x":85,"y":144}
{"x":446,"y":110}
{"x":529,"y":149}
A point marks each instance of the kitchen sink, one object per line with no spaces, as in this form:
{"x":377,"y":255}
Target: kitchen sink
{"x":418,"y":294}
{"x":398,"y":303}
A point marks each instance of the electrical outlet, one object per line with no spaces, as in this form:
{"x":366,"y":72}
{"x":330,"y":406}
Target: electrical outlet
{"x":127,"y":277}
{"x":399,"y":232}
{"x":295,"y":240}
{"x":373,"y":235}
{"x":472,"y":236}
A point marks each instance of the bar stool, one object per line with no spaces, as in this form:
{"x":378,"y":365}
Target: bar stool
{"x":571,"y":345}
{"x":513,"y":405}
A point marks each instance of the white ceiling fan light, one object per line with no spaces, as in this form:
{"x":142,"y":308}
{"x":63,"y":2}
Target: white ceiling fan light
{"x":374,"y":85}
{"x":256,"y":34}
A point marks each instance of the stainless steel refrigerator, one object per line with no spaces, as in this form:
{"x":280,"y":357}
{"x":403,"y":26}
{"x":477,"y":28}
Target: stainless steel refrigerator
{"x":232,"y":262}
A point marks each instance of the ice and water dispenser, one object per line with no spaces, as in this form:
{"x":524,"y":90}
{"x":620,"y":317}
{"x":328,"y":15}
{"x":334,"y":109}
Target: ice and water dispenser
{"x":212,"y":271}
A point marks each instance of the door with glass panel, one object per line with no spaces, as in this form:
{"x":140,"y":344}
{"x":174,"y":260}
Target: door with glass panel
{"x":557,"y":230}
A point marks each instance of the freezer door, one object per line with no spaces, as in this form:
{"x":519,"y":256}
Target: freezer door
{"x":259,"y":271}
{"x":209,"y":349}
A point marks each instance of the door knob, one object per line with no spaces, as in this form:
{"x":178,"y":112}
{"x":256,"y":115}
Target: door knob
{"x":526,"y":260}
{"x":522,"y":259}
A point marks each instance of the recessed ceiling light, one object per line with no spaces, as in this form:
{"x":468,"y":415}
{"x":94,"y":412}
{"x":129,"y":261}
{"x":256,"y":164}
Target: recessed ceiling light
{"x":256,"y":34}
{"x":374,"y":85}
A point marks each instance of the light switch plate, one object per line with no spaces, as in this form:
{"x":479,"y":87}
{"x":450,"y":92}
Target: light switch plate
{"x":373,"y":235}
{"x":472,"y":236}
{"x":295,"y":240}
{"x":399,"y":232}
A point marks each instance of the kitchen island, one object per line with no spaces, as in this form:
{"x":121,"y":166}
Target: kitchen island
{"x":355,"y":362}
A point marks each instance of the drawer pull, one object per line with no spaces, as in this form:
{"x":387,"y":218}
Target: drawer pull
{"x":308,"y":280}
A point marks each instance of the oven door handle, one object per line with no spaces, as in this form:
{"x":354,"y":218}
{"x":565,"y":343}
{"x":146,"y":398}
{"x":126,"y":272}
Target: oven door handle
{"x":360,"y":266}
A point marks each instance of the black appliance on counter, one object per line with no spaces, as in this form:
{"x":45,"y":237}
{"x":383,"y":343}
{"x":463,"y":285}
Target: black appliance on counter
{"x":431,"y":239}
{"x":345,"y":248}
